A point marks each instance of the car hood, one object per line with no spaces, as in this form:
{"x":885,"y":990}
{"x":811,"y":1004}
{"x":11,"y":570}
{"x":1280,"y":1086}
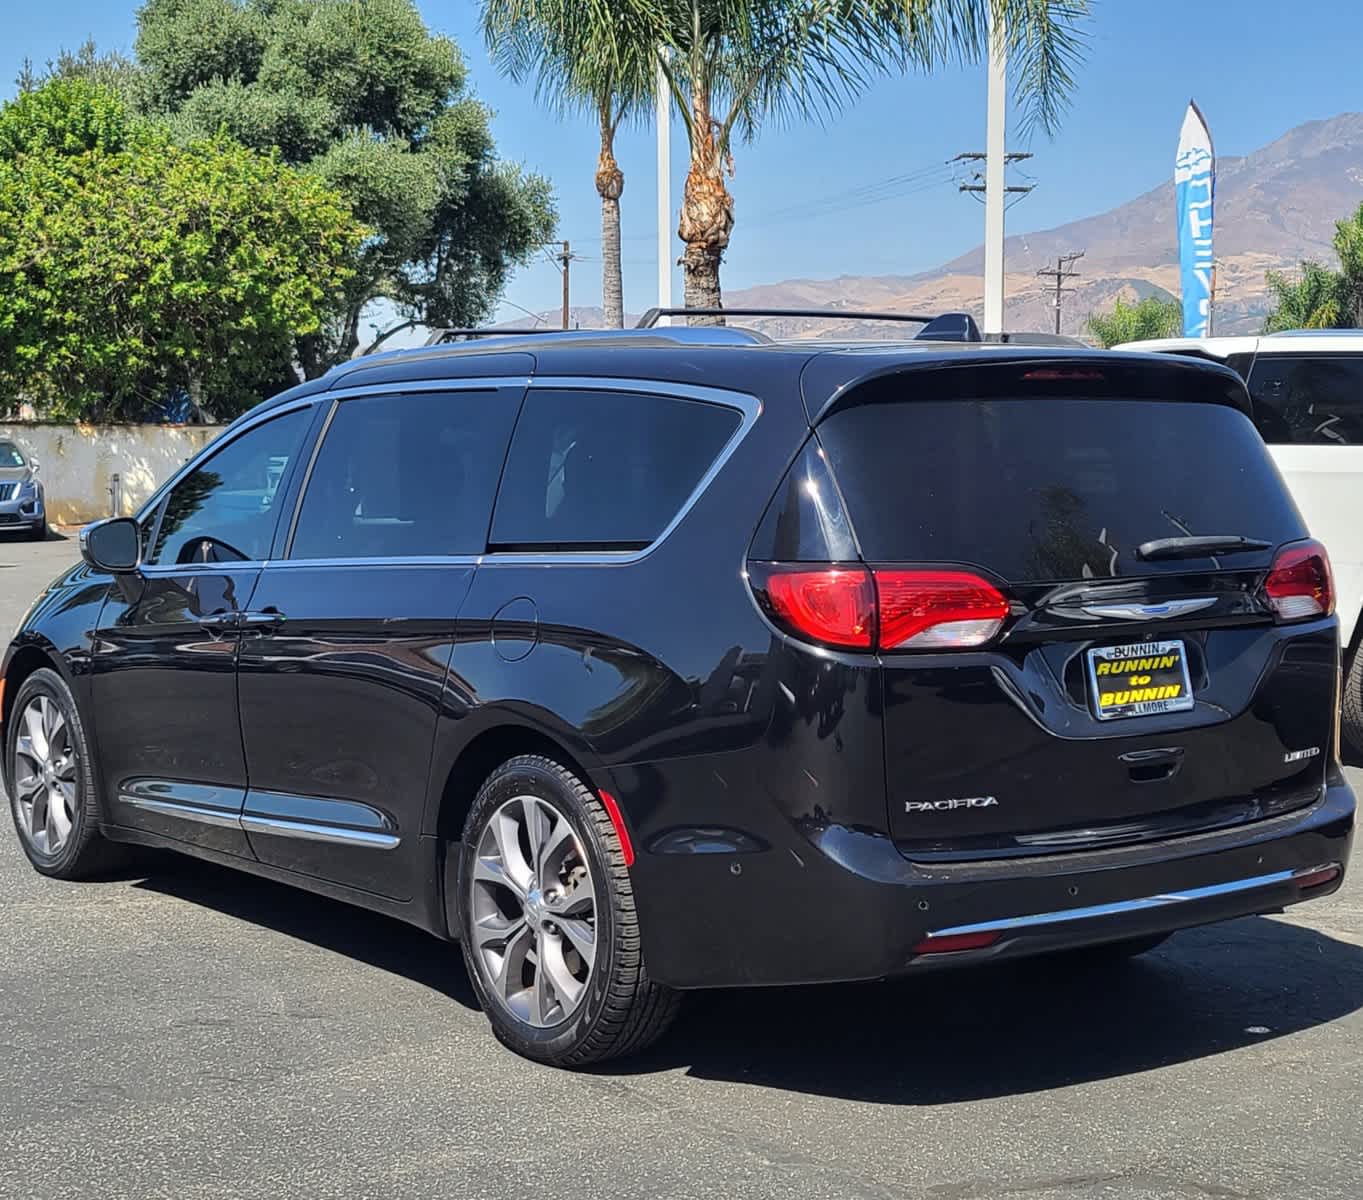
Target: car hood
{"x":15,"y":474}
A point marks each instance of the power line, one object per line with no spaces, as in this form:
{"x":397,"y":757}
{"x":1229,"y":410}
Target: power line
{"x":1059,"y":273}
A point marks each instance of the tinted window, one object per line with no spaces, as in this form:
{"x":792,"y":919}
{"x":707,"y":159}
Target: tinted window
{"x":402,"y":476}
{"x":224,"y":511}
{"x":1308,"y":399}
{"x":10,"y":456}
{"x":604,"y":469}
{"x":1053,"y":489}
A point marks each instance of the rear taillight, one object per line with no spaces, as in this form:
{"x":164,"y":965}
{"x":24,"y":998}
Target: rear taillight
{"x":881,"y":608}
{"x":1299,"y":585}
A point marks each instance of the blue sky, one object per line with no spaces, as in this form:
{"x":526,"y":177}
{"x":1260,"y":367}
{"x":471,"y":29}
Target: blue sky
{"x":1261,"y":69}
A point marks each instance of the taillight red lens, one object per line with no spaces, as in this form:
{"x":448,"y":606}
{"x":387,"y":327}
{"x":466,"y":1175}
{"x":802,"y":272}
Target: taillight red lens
{"x":884,"y":608}
{"x":937,"y":609}
{"x":834,"y":605}
{"x":1299,"y":584}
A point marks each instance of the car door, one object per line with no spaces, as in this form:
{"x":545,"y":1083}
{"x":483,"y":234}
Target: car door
{"x":164,"y":679}
{"x":342,"y":670}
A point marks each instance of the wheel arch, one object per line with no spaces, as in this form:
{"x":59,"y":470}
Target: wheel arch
{"x":502,"y":738}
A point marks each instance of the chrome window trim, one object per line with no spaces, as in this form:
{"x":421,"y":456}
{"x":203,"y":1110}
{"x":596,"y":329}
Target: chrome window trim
{"x":220,"y":442}
{"x":748,"y":406}
{"x":312,"y":831}
{"x":1121,"y":907}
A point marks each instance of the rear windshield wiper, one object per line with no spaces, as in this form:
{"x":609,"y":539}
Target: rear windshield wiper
{"x":1199,"y":547}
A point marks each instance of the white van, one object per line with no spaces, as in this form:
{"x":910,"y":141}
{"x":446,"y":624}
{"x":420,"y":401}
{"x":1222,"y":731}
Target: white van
{"x":1307,"y":388}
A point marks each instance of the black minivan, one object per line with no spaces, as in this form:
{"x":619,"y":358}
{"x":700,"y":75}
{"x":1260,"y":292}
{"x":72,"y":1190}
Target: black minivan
{"x":651,"y":661}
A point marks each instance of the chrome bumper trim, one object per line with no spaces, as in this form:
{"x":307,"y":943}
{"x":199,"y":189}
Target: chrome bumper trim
{"x":1119,"y":907}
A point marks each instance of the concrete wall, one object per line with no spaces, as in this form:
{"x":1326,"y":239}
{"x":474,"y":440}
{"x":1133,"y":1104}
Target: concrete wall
{"x":77,"y":462}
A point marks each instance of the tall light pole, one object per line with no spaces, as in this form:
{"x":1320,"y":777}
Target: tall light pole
{"x":664,"y":117}
{"x":997,"y":111}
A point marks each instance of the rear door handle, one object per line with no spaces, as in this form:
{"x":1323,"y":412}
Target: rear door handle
{"x":220,"y":622}
{"x":265,"y":619}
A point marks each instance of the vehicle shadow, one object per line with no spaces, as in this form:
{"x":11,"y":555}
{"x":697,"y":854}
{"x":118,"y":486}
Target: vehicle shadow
{"x":367,"y":937}
{"x":937,"y":1039}
{"x":1027,"y":1027}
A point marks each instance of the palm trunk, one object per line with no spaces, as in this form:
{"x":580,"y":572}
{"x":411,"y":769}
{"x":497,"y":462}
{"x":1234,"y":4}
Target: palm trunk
{"x":707,"y":215}
{"x":610,"y":184}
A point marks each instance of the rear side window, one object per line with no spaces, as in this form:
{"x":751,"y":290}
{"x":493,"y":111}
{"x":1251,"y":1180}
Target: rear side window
{"x":406,"y":476}
{"x":1053,"y":489}
{"x":604,"y":470}
{"x":1310,"y":399}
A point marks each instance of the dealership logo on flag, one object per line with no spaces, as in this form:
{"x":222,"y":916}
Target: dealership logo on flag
{"x":1194,"y":196}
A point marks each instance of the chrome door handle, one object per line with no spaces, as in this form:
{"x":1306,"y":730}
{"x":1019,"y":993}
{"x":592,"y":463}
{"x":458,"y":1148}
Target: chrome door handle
{"x":269,"y":618}
{"x":220,"y":622}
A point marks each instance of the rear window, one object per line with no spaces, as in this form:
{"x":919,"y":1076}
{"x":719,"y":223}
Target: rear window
{"x":603,"y":470}
{"x":1053,"y":489}
{"x":1310,"y":399}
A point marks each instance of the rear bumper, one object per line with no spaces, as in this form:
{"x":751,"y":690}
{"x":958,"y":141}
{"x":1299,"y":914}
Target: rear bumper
{"x":837,"y":904}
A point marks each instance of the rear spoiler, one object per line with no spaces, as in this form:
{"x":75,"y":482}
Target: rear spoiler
{"x":832,"y":382}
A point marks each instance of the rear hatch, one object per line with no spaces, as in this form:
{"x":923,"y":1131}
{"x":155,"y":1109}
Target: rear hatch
{"x":1077,"y":569}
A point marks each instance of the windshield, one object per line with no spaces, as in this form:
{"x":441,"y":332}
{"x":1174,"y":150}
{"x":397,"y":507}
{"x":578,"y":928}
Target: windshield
{"x":10,"y":456}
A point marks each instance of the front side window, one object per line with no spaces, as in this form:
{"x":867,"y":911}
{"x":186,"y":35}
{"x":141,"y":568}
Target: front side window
{"x":225,"y":510}
{"x":1308,"y":399}
{"x":406,"y":476}
{"x":604,"y":470}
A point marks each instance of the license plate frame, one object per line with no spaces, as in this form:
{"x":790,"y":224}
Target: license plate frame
{"x":1147,"y":678}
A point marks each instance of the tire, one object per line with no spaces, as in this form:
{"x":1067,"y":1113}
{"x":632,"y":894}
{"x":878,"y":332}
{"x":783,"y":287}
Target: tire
{"x":514,"y":916}
{"x":38,"y":533}
{"x":62,"y":840}
{"x":1110,"y":953}
{"x":1351,"y":709}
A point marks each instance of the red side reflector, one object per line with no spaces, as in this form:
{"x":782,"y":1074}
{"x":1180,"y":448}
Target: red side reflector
{"x":1300,"y":584}
{"x":613,"y":811}
{"x":1317,"y":878}
{"x":937,"y":609}
{"x":956,"y":941}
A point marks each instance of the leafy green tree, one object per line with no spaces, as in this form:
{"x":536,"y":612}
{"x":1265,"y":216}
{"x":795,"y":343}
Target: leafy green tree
{"x":359,"y":94}
{"x":113,"y":70}
{"x":1151,"y":317}
{"x":735,"y":64}
{"x":1318,"y":297}
{"x":583,"y":55}
{"x":133,"y":266}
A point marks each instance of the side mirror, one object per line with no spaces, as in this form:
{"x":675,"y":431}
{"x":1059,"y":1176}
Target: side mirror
{"x":114,"y":545}
{"x":34,"y":464}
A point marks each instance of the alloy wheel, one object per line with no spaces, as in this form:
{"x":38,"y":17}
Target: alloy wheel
{"x":533,"y":908}
{"x":45,"y":766}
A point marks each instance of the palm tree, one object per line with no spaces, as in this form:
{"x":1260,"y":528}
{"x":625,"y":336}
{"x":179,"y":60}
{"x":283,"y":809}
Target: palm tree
{"x":583,"y":54}
{"x":733,"y":64}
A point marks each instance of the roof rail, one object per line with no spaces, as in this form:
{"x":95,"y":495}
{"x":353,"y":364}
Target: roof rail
{"x":439,"y":337}
{"x":943,"y":327}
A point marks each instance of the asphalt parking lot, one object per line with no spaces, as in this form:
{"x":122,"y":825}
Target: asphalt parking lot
{"x":191,"y":1032}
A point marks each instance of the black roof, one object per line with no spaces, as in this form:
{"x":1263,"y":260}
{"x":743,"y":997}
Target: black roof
{"x":818,"y":370}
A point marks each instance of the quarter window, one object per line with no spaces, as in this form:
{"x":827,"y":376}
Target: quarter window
{"x":406,"y":476}
{"x":604,"y":470}
{"x":224,"y":510}
{"x":1308,"y":399}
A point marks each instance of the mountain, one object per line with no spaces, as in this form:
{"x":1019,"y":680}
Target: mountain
{"x":1274,"y":207}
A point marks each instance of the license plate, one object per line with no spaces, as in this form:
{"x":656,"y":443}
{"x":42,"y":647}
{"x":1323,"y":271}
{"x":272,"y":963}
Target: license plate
{"x":1139,"y":680}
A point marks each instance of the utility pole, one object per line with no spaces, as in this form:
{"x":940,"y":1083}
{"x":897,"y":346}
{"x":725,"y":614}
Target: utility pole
{"x":1061,"y":272}
{"x":664,"y":118}
{"x":565,"y":257}
{"x":997,"y":111}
